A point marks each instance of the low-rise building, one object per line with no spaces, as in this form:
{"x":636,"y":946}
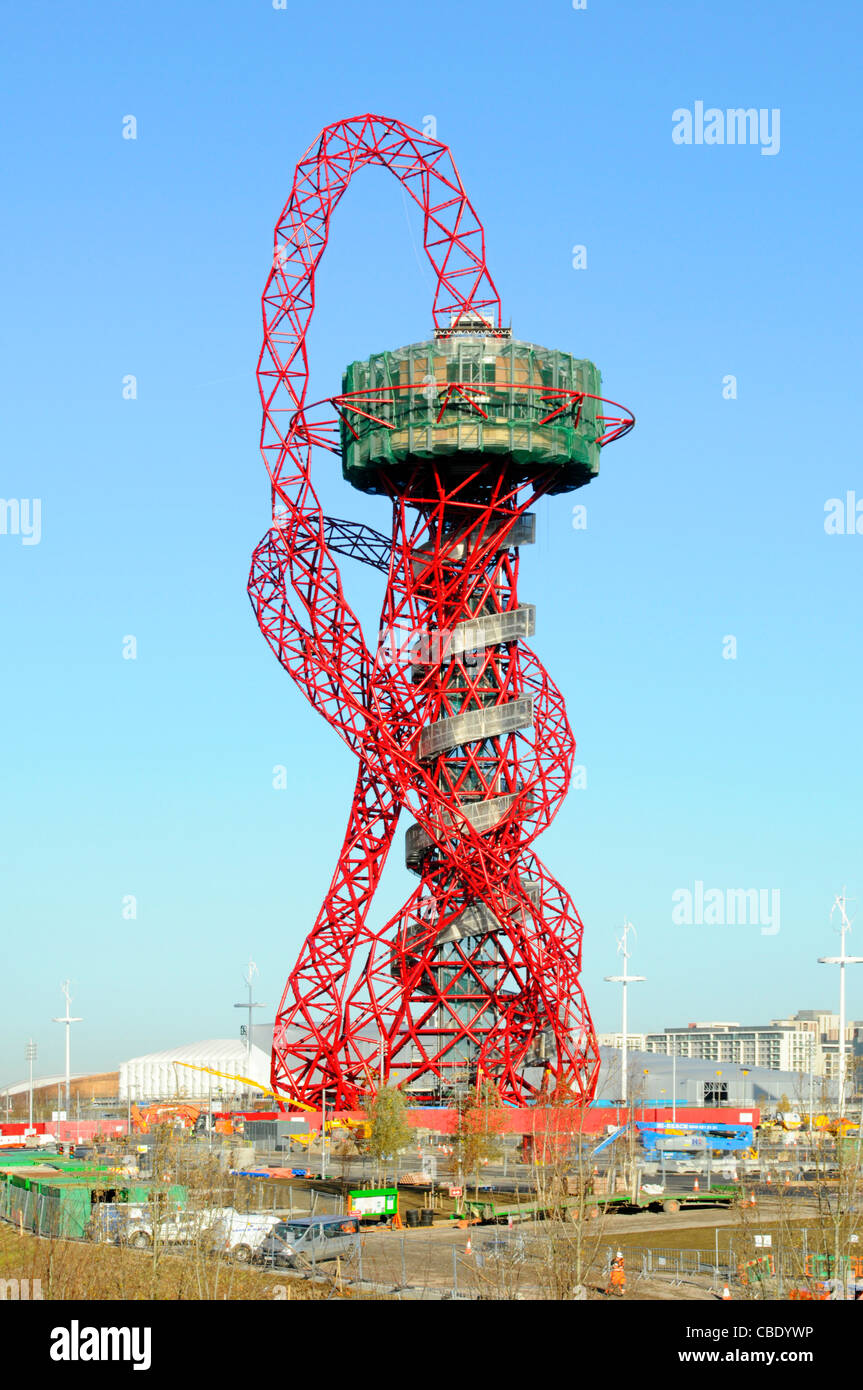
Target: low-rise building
{"x":808,"y":1042}
{"x":635,"y":1042}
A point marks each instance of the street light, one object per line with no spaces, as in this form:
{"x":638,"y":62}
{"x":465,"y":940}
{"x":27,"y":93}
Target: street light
{"x":624,"y":980}
{"x":841,"y":960}
{"x":30,"y":1054}
{"x":323,"y":1134}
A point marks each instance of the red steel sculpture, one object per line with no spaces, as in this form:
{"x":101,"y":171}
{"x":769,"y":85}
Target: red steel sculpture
{"x":452,"y":717}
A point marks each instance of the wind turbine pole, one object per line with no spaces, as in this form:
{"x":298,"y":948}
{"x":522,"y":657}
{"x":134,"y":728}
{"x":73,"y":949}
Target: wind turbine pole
{"x":624,"y":980}
{"x":68,"y":1020}
{"x":841,"y":960}
{"x":251,"y":972}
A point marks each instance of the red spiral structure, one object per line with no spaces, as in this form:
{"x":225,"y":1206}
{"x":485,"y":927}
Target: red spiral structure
{"x":451,"y":716}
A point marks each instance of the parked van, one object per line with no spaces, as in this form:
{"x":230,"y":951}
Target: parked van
{"x":181,"y":1228}
{"x":241,"y":1234}
{"x":309,"y":1239}
{"x":112,"y":1221}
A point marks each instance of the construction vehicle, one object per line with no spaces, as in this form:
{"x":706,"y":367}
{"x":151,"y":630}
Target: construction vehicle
{"x":681,"y":1141}
{"x":177,"y":1114}
{"x":776,"y":1123}
{"x":485,"y":1210}
{"x":844,"y":1128}
{"x":666,"y":1141}
{"x":344,"y":1122}
{"x":823,"y":1124}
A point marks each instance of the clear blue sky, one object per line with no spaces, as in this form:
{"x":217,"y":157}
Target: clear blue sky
{"x":153,"y":777}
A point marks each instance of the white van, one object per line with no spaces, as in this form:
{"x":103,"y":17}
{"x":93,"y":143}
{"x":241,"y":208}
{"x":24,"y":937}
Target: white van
{"x":181,"y":1228}
{"x":241,"y":1234}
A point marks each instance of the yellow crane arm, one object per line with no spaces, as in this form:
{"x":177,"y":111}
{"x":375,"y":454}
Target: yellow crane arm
{"x":282,"y":1100}
{"x":247,"y":1080}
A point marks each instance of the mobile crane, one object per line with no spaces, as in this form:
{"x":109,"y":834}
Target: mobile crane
{"x":281,"y":1100}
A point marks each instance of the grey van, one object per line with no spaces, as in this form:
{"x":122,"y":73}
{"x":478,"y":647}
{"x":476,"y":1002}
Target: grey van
{"x":309,"y":1239}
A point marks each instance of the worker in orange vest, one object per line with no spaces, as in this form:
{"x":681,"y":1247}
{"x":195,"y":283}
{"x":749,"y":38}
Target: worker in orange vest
{"x":617,"y":1278}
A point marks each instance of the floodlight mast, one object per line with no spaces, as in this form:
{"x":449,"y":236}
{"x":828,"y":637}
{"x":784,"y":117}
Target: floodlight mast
{"x":30,"y":1053}
{"x":842,"y":960}
{"x":624,"y":980}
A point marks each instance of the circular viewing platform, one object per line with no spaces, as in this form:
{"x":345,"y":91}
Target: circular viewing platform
{"x":454,"y":401}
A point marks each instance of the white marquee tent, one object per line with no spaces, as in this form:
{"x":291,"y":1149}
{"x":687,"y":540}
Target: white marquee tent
{"x":157,"y":1075}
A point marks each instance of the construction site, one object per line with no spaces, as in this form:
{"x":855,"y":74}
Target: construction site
{"x":426,"y":1121}
{"x":470,"y":1205}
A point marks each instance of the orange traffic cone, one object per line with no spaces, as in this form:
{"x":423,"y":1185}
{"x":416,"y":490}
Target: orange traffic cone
{"x":769,"y":1180}
{"x":696,"y":1186}
{"x":467,"y":1248}
{"x":726,"y":1293}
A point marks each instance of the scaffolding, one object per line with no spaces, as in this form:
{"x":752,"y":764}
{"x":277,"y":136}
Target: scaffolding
{"x":534,"y":407}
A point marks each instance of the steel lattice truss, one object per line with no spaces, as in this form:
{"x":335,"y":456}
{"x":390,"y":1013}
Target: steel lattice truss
{"x":478,"y":972}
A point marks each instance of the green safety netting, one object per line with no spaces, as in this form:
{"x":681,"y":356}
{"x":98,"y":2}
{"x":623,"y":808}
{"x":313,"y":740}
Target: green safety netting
{"x":506,"y":378}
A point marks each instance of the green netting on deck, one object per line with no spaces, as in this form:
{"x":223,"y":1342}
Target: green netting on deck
{"x":506,"y":379}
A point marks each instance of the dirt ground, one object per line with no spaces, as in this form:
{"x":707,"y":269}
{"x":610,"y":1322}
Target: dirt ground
{"x":705,"y":1220}
{"x":447,"y":1257}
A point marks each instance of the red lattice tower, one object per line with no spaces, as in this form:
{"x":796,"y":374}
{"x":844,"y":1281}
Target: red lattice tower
{"x":452,"y":717}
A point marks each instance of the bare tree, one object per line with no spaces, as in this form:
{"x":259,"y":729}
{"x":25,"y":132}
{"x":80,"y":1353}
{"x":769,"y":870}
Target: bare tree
{"x":388,"y":1130}
{"x":573,"y":1229}
{"x":480,"y":1124}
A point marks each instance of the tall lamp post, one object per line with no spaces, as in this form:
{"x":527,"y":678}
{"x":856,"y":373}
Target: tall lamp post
{"x":68,"y":1020}
{"x":624,"y":980}
{"x":30,"y":1054}
{"x":323,"y":1134}
{"x":841,"y":960}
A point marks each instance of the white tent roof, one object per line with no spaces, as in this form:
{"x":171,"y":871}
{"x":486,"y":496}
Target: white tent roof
{"x":156,"y":1075}
{"x":39,"y":1082}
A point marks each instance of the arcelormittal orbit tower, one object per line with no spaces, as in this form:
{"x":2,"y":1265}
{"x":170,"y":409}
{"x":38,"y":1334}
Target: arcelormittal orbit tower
{"x":458,"y":731}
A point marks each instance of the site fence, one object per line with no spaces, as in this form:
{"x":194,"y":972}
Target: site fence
{"x":42,"y":1214}
{"x":267,"y":1196}
{"x":30,"y":1211}
{"x":410,"y":1268}
{"x":648,"y":1262}
{"x":779,"y":1268}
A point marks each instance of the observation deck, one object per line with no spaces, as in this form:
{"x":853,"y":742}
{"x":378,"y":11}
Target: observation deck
{"x":457,"y":401}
